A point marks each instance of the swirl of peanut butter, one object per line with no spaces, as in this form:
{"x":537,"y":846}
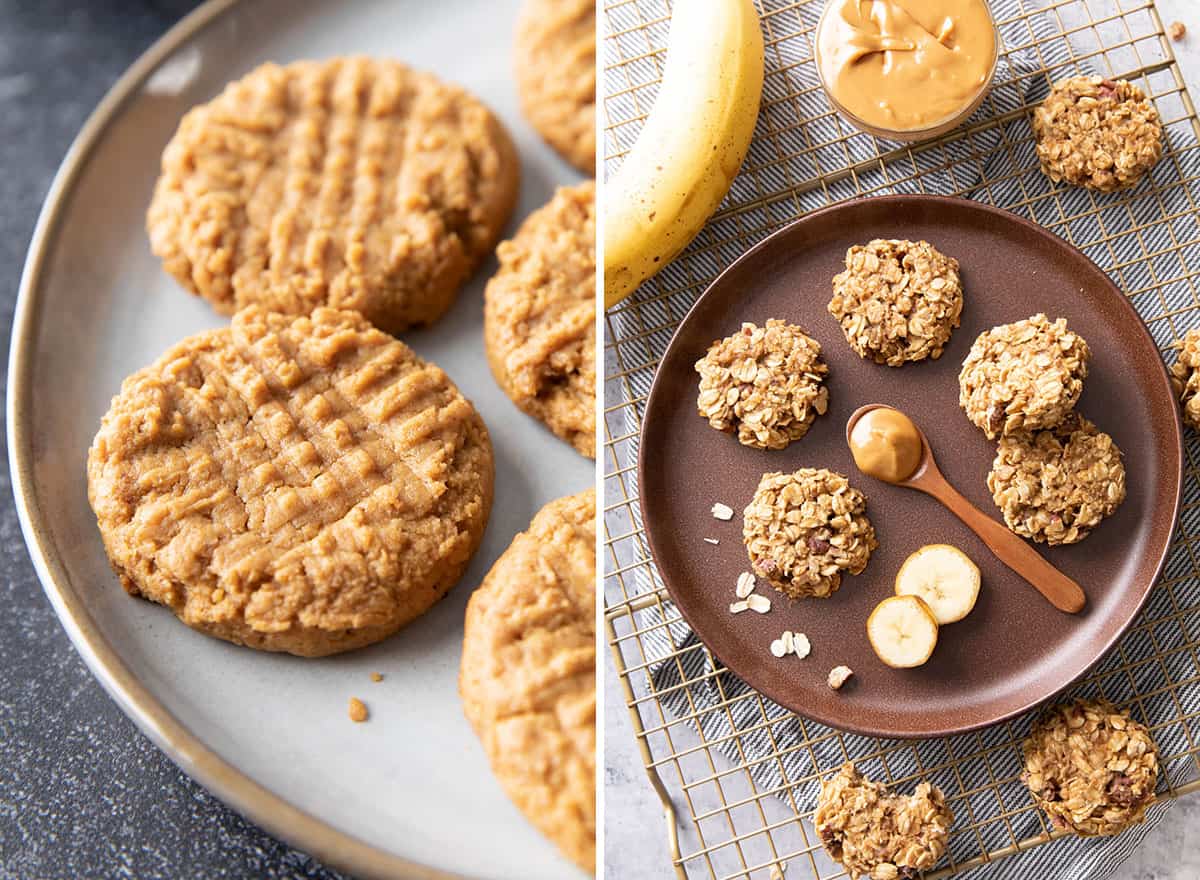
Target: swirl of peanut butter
{"x":906,"y":65}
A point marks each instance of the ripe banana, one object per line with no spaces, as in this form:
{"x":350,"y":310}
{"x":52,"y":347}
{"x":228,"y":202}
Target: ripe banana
{"x":902,"y":631}
{"x":692,"y":144}
{"x":944,"y":577}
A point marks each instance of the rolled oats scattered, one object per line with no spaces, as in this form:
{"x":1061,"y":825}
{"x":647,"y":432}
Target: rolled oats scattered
{"x":1023,"y":376}
{"x":739,"y":607}
{"x":778,"y":648}
{"x":758,"y":602}
{"x":1185,"y":378}
{"x":745,"y":585}
{"x":838,"y":676}
{"x":786,"y":638}
{"x":805,"y":529}
{"x":1097,"y":133}
{"x":880,"y":835}
{"x":712,"y":541}
{"x":1091,"y":767}
{"x":777,"y":872}
{"x":801,"y":646}
{"x":1056,"y":486}
{"x":722,"y":511}
{"x":763,"y":383}
{"x":897,"y":301}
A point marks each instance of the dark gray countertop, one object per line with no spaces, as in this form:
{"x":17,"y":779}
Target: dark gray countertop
{"x":82,"y":793}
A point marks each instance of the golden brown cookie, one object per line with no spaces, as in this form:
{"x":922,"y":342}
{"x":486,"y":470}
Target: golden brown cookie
{"x":1091,"y":767}
{"x":806,"y":529}
{"x":353,"y":183}
{"x":874,"y":833}
{"x":299,"y":484}
{"x":556,"y":75}
{"x":764,"y":384}
{"x":1185,"y":378}
{"x":540,"y":316}
{"x":528,"y":673}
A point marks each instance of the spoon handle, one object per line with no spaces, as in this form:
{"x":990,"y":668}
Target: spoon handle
{"x":1062,"y":592}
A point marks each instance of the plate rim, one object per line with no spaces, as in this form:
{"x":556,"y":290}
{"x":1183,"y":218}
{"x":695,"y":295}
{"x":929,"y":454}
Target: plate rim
{"x":271,"y":812}
{"x":656,"y":393}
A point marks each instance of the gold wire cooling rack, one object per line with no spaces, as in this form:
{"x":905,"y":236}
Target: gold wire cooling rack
{"x":732,"y":769}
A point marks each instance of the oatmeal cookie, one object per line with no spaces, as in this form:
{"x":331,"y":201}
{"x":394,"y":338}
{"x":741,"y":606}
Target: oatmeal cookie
{"x":803,"y":530}
{"x":528,"y":673}
{"x":897,"y":301}
{"x":299,"y":484}
{"x":1055,"y":486}
{"x":876,"y":834}
{"x":353,"y":183}
{"x":539,"y":324}
{"x":556,"y":75}
{"x":1185,"y":378}
{"x":1098,"y":133}
{"x":1091,"y":767}
{"x":1023,"y":376}
{"x":766,"y":384}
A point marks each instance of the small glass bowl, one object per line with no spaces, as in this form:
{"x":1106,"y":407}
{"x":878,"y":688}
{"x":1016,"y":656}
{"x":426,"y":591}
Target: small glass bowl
{"x":909,"y":135}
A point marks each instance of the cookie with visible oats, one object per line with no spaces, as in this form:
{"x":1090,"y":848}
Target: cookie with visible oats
{"x":1091,"y":767}
{"x":1097,"y":133}
{"x":874,"y":833}
{"x":301,"y":484}
{"x":528,"y":673}
{"x":897,"y":301}
{"x":539,"y":317}
{"x":353,"y":183}
{"x":1024,"y":376}
{"x":1055,"y":486}
{"x":1185,"y":378}
{"x":764,"y":384}
{"x":806,"y":529}
{"x":556,"y":75}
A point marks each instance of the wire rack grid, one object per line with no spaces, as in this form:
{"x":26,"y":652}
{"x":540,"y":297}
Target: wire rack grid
{"x":739,"y":811}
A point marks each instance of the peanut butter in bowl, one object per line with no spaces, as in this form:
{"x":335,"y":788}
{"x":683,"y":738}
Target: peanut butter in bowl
{"x":906,"y":69}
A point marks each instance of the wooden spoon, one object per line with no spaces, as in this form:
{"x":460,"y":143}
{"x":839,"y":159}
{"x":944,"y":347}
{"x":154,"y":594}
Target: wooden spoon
{"x":1062,"y":592}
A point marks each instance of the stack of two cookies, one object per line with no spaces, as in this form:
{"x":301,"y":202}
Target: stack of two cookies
{"x":301,"y":481}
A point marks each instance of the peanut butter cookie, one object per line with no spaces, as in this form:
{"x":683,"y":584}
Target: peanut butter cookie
{"x":539,"y":325}
{"x":766,"y":384}
{"x":804,"y":530}
{"x":556,"y":75}
{"x":1185,"y":378}
{"x":1055,"y":486}
{"x":876,"y":834}
{"x":1091,"y":767}
{"x":528,"y":673}
{"x":299,"y":484}
{"x":897,"y":301}
{"x":1097,"y":133}
{"x":353,"y":183}
{"x":1023,"y":376}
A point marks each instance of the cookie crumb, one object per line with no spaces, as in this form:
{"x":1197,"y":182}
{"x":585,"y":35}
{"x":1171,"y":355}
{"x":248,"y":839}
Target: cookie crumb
{"x":376,"y":676}
{"x":839,"y":675}
{"x":712,"y":541}
{"x":1177,"y":31}
{"x":745,"y":585}
{"x":722,"y":511}
{"x":777,"y":872}
{"x":758,"y":602}
{"x":358,"y":711}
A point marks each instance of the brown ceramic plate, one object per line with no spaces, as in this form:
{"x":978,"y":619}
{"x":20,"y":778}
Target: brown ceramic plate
{"x":1014,"y":650}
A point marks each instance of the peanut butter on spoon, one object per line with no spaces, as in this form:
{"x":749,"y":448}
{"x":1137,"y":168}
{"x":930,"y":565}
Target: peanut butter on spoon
{"x":888,"y":446}
{"x":906,"y":65}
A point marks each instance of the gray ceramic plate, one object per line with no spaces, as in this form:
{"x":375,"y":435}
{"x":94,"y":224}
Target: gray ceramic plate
{"x":408,"y":794}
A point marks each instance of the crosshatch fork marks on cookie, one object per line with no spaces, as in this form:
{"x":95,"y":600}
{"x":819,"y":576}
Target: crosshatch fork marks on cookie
{"x":294,"y":484}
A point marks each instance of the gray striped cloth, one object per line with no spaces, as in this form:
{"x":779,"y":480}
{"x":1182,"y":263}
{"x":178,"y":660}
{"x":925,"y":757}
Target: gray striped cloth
{"x":1153,"y":239}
